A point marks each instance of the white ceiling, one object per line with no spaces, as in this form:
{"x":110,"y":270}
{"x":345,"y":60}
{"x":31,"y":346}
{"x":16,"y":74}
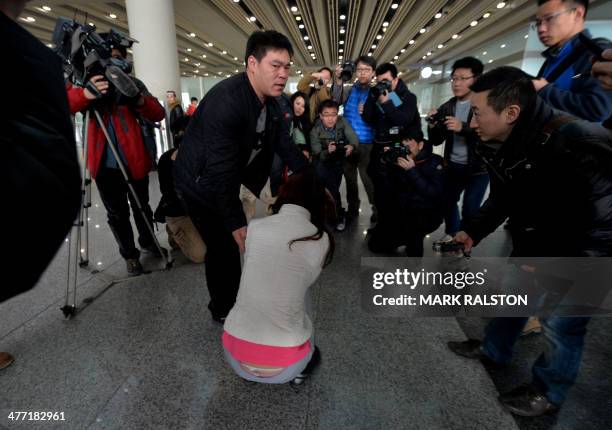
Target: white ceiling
{"x":226,"y":24}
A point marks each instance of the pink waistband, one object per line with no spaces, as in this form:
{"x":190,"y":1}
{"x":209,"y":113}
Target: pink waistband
{"x":255,"y":353}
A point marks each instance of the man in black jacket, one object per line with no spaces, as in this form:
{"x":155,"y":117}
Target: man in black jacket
{"x":231,"y":140}
{"x":551,"y":173}
{"x":465,"y":172}
{"x":39,"y":171}
{"x":388,"y":112}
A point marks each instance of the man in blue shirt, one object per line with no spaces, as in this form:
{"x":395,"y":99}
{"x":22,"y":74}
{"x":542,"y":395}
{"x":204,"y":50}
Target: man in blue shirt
{"x":354,"y":99}
{"x":574,"y":90}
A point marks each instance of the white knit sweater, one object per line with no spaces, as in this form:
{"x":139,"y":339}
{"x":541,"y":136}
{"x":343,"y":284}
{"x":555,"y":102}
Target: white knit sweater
{"x":270,"y":307}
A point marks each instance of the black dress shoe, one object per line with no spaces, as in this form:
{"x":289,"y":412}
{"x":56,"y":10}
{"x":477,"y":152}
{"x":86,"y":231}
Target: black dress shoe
{"x":471,"y":348}
{"x":527,"y":401}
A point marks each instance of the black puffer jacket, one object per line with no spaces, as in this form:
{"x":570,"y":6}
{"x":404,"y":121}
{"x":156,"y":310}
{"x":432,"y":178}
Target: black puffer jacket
{"x":558,"y":186}
{"x":439,"y":135}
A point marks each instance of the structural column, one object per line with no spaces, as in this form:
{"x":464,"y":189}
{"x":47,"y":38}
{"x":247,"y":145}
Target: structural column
{"x":151,"y":22}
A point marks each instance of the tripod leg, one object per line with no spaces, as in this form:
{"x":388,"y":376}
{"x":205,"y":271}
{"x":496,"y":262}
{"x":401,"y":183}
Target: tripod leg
{"x":131,"y":188}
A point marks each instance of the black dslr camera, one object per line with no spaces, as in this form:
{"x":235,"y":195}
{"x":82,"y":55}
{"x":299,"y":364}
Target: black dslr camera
{"x":340,"y":147}
{"x":391,"y":155}
{"x":86,"y":53}
{"x":437,"y":119}
{"x":381,"y":87}
{"x":348,"y":69}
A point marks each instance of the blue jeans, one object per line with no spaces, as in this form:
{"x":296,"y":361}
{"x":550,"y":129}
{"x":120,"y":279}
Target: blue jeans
{"x":458,"y":179}
{"x":556,"y":369}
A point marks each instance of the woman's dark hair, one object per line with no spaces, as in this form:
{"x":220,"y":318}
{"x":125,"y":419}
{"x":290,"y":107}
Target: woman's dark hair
{"x":305,"y":189}
{"x":302,"y":122}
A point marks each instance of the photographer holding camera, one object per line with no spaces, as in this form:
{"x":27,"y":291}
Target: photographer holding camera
{"x":120,"y":116}
{"x":316,"y":89}
{"x":354,"y":101}
{"x":411,"y":180}
{"x":465,"y":171}
{"x":550,"y":172}
{"x":389,"y":108}
{"x":332,"y":140}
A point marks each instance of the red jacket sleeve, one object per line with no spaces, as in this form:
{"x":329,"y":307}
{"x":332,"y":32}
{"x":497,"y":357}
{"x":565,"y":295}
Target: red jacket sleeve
{"x":76,"y":99}
{"x":151,"y":110}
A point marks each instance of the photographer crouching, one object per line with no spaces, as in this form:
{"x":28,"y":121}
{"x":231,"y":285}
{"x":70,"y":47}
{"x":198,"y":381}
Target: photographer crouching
{"x":411,"y":187}
{"x":332,"y":140}
{"x":120,"y":116}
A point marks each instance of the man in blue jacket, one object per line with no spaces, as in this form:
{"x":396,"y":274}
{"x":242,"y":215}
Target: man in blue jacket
{"x":574,"y":90}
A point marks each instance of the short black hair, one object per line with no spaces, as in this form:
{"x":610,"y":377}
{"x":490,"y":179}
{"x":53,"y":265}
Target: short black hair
{"x":474,"y":64}
{"x":583,"y":3}
{"x":329,"y":103}
{"x":370,"y":61}
{"x":194,"y":99}
{"x":387,"y":67}
{"x":260,"y":42}
{"x":171,"y":92}
{"x":508,"y":86}
{"x":326,"y":68}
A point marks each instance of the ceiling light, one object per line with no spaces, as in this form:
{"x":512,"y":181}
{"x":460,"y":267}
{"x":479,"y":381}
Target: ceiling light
{"x":424,"y":57}
{"x":340,"y":50}
{"x":385,"y":24}
{"x":455,"y":36}
{"x":203,"y":55}
{"x":473,"y":23}
{"x":437,"y":72}
{"x":252,"y":19}
{"x":220,"y":73}
{"x":236,"y":1}
{"x":426,"y":72}
{"x":30,"y":19}
{"x":486,"y":15}
{"x":340,"y":57}
{"x":503,"y":45}
{"x":301,"y":26}
{"x":501,"y":5}
{"x":438,"y":15}
{"x":227,"y":76}
{"x":403,"y":50}
{"x":396,"y":57}
{"x":392,"y":62}
{"x":429,"y":53}
{"x":236,"y":70}
{"x":342,"y":31}
{"x":305,"y":37}
{"x":378,"y":37}
{"x":298,"y":18}
{"x":192,"y":35}
{"x":309,"y":46}
{"x":394,"y":6}
{"x":484,"y":53}
{"x":46,"y":8}
{"x":50,"y":45}
{"x":211,"y":44}
{"x":92,"y":24}
{"x":235,"y":58}
{"x":490,"y":61}
{"x":341,"y":42}
{"x":373,"y":46}
{"x":113,"y":16}
{"x":440,"y":46}
{"x":205,"y":74}
{"x":197,"y":64}
{"x":423,"y":30}
{"x":343,"y":17}
{"x":298,"y":72}
{"x":384,"y":29}
{"x":294,"y":9}
{"x":224,"y":52}
{"x":526,"y":36}
{"x":369,"y":54}
{"x":411,"y":42}
{"x":188,"y":49}
{"x":186,"y":59}
{"x":291,"y":62}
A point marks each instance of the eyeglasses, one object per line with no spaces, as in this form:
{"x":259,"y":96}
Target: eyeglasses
{"x":329,"y":115}
{"x":364,"y":71}
{"x":547,"y":20}
{"x":461,"y":78}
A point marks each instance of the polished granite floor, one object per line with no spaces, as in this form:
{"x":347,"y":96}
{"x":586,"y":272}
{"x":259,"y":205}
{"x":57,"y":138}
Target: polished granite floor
{"x":142,"y":353}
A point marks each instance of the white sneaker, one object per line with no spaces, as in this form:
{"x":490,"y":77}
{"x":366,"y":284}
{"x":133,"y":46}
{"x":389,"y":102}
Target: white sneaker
{"x":341,"y":226}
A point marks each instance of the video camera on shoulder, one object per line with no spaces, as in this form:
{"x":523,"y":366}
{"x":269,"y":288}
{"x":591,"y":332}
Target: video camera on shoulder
{"x":85,"y":54}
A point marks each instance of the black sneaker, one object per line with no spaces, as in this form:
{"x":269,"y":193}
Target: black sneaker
{"x":472,"y":349}
{"x":527,"y":401}
{"x":134,"y":268}
{"x":314,"y":362}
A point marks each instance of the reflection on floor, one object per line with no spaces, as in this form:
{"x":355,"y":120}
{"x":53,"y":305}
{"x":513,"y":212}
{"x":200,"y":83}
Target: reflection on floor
{"x":145,"y":354}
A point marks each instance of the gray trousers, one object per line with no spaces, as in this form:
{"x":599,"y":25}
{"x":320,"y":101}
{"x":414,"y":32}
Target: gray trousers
{"x":358,"y":162}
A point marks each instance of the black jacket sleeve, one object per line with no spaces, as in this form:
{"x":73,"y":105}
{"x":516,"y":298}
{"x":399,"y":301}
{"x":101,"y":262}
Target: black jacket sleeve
{"x":369,"y":110}
{"x":491,"y":215}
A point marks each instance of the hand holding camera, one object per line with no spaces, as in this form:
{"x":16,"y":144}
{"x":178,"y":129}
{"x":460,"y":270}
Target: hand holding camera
{"x":96,"y":88}
{"x":405,"y":163}
{"x":453,"y":124}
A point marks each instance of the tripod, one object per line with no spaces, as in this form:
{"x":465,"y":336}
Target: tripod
{"x":80,"y":244}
